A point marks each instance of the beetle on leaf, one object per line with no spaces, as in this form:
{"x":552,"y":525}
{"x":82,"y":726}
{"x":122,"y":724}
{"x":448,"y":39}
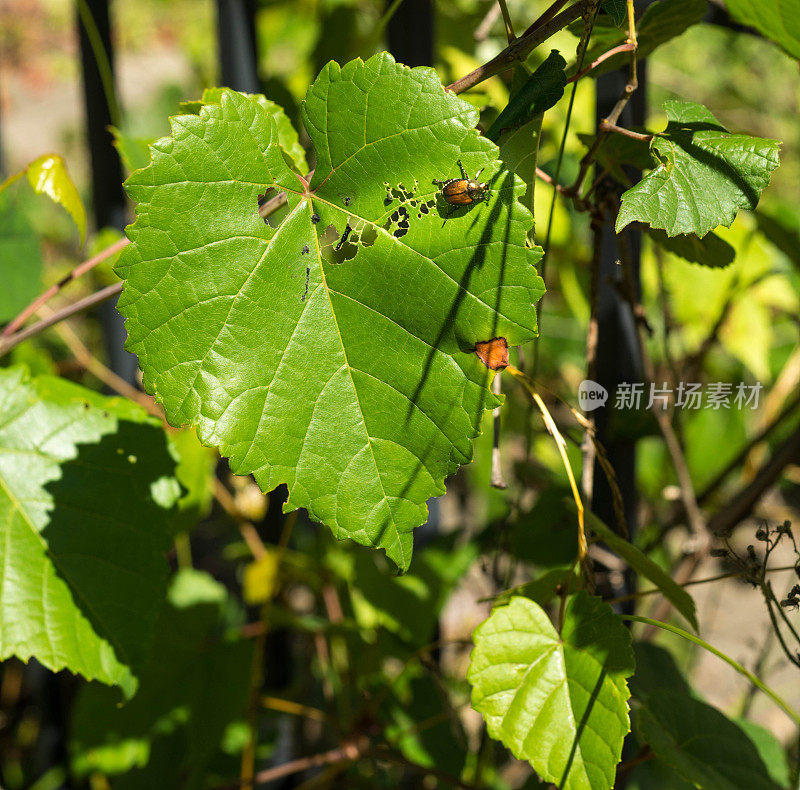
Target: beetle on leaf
{"x":462,"y":191}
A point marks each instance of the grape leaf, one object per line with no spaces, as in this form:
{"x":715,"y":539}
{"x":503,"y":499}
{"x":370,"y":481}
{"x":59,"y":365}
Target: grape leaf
{"x":192,"y":689}
{"x":287,"y":134}
{"x":778,"y":20}
{"x":344,"y":370}
{"x":706,"y":748}
{"x":559,"y":701}
{"x":86,"y":489}
{"x":705,"y":174}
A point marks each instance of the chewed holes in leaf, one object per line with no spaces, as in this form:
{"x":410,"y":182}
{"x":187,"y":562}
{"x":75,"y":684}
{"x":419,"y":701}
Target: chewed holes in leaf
{"x":398,"y":222}
{"x":408,"y":200}
{"x":338,"y":247}
{"x":269,"y":207}
{"x":328,"y":238}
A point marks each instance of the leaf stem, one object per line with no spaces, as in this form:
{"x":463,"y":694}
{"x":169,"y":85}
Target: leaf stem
{"x":777,"y":699}
{"x":613,"y":117}
{"x":607,"y":126}
{"x":507,"y":20}
{"x":6,"y":344}
{"x":561,"y":444}
{"x":91,"y":363}
{"x":518,"y":50}
{"x":497,"y":480}
{"x":691,"y":583}
{"x":626,"y":47}
{"x":79,"y":270}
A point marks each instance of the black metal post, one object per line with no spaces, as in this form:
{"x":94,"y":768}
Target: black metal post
{"x":237,"y":45}
{"x":108,"y":197}
{"x":618,"y":359}
{"x":109,"y":206}
{"x":410,"y":32}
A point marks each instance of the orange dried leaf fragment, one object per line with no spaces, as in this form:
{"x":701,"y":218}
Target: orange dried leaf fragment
{"x":493,"y":353}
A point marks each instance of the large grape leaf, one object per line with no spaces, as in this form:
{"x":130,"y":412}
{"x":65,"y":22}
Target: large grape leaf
{"x":705,"y":174}
{"x":86,"y":490}
{"x":778,"y":20}
{"x":342,"y":369}
{"x":559,"y":701}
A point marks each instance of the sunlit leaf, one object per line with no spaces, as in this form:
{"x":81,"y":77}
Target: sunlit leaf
{"x":86,"y":488}
{"x":557,"y":700}
{"x":48,"y":176}
{"x":704,"y":176}
{"x":340,"y":367}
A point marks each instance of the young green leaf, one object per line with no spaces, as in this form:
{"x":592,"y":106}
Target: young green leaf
{"x":778,"y":20}
{"x":559,"y":701}
{"x":705,"y":174}
{"x":48,"y":176}
{"x":539,"y":93}
{"x":335,"y":361}
{"x":86,"y":486}
{"x":643,"y":565}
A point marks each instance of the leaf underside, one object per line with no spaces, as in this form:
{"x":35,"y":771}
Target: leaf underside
{"x":340,"y":367}
{"x":558,"y":701}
